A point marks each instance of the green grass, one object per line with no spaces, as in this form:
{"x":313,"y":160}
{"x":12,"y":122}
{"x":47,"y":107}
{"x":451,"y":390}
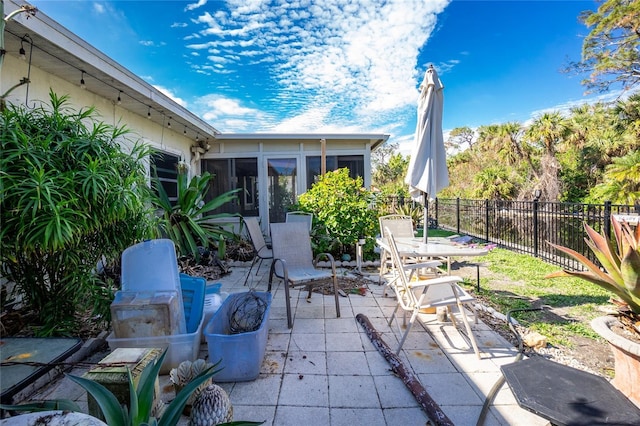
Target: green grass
{"x":519,"y":281}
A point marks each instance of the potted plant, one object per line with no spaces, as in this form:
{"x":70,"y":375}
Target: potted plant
{"x":620,"y":274}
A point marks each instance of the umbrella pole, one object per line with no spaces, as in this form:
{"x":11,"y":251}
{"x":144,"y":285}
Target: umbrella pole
{"x":425,"y":222}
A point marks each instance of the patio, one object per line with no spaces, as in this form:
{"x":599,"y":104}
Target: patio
{"x":325,"y":371}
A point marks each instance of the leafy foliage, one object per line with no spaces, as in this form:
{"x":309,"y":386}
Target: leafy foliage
{"x":189,"y":223}
{"x":342,"y":213}
{"x":621,"y":262}
{"x":73,"y":194}
{"x":611,"y":51}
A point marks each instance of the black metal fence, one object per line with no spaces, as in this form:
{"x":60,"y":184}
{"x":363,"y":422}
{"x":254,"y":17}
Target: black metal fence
{"x":526,"y":226}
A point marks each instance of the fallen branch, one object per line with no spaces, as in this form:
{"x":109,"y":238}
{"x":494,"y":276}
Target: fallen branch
{"x":434,"y":413}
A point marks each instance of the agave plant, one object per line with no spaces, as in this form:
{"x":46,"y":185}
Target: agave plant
{"x":620,"y":272}
{"x":189,"y":223}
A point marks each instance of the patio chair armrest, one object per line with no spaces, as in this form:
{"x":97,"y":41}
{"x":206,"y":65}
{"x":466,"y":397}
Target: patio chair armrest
{"x":328,"y":256}
{"x":429,"y":264}
{"x":285,"y":272}
{"x":448,"y":279}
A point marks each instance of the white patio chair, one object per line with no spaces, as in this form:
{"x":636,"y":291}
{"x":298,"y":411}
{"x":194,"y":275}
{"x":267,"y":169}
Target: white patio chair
{"x":299,"y":216}
{"x":259,"y":244}
{"x":293,"y":262}
{"x":414,"y":296}
{"x":401,"y":226}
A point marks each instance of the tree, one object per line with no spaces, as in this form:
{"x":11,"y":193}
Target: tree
{"x":548,"y":131}
{"x":611,"y":51}
{"x":621,"y":181}
{"x":459,"y":137}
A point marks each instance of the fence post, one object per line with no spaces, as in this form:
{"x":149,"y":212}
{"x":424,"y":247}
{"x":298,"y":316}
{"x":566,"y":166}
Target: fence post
{"x":536,"y":205}
{"x":458,"y":215}
{"x":486,"y":219}
{"x":607,"y":219}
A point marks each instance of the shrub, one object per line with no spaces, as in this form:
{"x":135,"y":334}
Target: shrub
{"x":71,"y":197}
{"x":342,"y":213}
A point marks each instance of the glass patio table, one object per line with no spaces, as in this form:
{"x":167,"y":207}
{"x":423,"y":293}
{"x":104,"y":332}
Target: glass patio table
{"x":435,"y":248}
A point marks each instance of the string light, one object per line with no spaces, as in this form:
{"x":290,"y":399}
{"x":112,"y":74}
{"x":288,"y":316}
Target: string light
{"x":184,"y":132}
{"x":23,"y":53}
{"x":169,"y":123}
{"x":149,"y":112}
{"x":82,"y":85}
{"x":120,"y":98}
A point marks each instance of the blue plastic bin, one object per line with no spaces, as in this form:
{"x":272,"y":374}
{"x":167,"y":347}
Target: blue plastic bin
{"x":150,"y":266}
{"x":193,"y":289}
{"x":240,"y":354}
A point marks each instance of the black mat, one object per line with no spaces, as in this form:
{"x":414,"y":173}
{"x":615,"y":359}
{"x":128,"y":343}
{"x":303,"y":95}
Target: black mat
{"x":568,"y":396}
{"x":16,"y":354}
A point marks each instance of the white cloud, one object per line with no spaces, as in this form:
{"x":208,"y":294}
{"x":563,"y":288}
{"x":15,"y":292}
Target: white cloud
{"x":192,"y":6}
{"x":360,"y":55}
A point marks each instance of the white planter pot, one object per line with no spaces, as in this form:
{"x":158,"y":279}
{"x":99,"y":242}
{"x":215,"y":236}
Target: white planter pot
{"x":52,"y":418}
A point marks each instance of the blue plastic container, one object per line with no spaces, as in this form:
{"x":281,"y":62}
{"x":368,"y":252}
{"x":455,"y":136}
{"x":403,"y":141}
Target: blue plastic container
{"x":193,"y":289}
{"x":240,"y":354}
{"x":150,"y":266}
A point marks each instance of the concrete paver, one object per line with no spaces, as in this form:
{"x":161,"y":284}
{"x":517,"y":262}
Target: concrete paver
{"x":325,"y":371}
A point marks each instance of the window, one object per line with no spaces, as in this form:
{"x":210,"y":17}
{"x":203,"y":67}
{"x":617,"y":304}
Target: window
{"x":233,"y":173}
{"x":165,"y":167}
{"x":355,"y":164}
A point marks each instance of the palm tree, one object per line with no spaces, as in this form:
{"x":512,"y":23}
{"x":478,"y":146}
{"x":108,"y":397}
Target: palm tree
{"x":549,"y":131}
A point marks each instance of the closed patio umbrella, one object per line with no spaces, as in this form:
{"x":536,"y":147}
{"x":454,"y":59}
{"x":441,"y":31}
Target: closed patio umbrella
{"x":427,"y":173}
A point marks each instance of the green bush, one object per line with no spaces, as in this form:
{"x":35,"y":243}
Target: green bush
{"x":342,"y":213}
{"x":71,"y":196}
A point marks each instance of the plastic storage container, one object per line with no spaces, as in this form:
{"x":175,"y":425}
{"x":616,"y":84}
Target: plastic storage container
{"x":213,"y":299}
{"x":150,"y":266}
{"x":180,"y":347}
{"x":147,"y":314}
{"x":192,"y":299}
{"x":240,"y":354}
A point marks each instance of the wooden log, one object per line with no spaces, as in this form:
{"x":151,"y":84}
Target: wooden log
{"x":431,"y":408}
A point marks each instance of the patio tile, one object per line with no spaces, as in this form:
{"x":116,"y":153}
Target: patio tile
{"x":357,"y":416}
{"x":299,"y":362}
{"x":405,"y":416}
{"x":255,"y":413}
{"x":482,"y":383}
{"x":352,"y":392}
{"x":378,"y":366}
{"x":306,"y":391}
{"x":308,"y":325}
{"x":296,"y":416}
{"x":307,"y":342}
{"x":340,"y":325}
{"x":277,"y":341}
{"x":393,"y":393}
{"x":449,"y":389}
{"x":430,"y":361}
{"x":514,"y":415}
{"x":347,"y":363}
{"x":344,"y":342}
{"x":263,"y":391}
{"x":273,"y":363}
{"x":369,"y":311}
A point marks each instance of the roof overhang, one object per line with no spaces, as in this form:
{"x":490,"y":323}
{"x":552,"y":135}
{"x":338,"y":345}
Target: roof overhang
{"x":61,"y":53}
{"x":375,"y":139}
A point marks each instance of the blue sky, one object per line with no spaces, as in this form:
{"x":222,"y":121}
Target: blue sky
{"x":341,"y":65}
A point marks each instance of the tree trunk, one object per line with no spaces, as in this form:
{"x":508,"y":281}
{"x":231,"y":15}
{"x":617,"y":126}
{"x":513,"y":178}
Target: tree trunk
{"x":430,"y":407}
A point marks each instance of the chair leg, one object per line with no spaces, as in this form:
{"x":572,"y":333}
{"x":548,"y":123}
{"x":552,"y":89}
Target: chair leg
{"x":335,"y":295}
{"x":288,"y":302}
{"x":253,"y":262}
{"x":406,"y":333}
{"x":468,"y":328}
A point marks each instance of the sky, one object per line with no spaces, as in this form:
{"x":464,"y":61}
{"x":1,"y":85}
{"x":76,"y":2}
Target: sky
{"x":342,"y":66}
